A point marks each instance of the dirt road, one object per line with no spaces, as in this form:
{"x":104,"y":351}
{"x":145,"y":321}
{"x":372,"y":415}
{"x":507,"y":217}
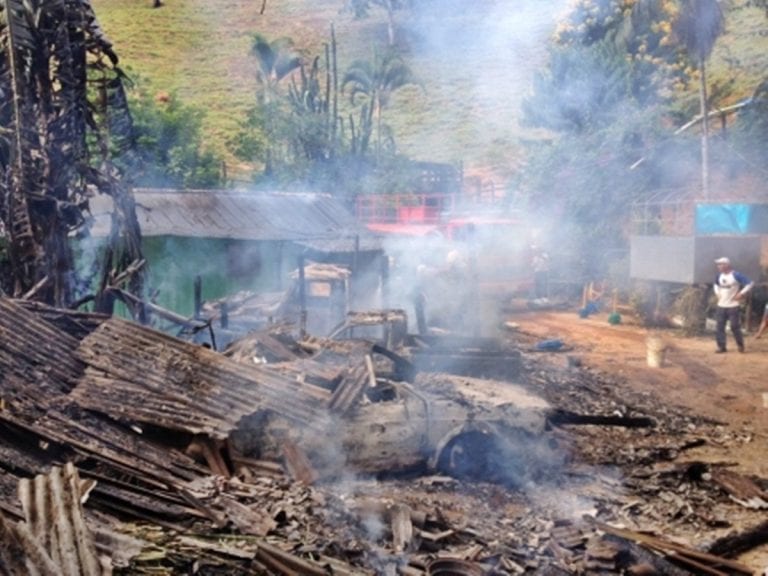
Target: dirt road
{"x":730,"y":388}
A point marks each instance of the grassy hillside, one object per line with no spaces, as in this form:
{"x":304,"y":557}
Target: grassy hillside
{"x":475,"y":63}
{"x":475,"y":67}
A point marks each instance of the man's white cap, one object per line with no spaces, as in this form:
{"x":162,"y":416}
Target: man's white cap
{"x":723,"y":260}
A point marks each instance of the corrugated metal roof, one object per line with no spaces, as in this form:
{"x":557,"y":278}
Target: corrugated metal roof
{"x":37,"y":363}
{"x":147,"y":376}
{"x":235,"y":214}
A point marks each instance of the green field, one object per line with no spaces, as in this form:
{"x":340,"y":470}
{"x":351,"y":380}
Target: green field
{"x":475,"y":65}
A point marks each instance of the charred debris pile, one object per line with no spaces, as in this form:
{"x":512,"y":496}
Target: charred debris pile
{"x":126,"y":450}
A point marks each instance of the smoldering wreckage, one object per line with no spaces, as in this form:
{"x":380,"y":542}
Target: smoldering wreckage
{"x":127,"y":450}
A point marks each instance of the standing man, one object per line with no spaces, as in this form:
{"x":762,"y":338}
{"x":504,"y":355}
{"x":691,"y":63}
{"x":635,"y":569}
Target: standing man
{"x":730,"y":288}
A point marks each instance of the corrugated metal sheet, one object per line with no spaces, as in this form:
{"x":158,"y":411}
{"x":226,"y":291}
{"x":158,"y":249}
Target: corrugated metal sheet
{"x":236,"y":215}
{"x":37,"y":363}
{"x":148,"y":376}
{"x":53,"y":539}
{"x":38,"y":369}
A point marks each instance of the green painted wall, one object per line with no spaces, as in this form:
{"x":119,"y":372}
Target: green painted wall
{"x":225,"y":267}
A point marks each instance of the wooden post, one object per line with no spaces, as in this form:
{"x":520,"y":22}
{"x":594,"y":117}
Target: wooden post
{"x":198,"y":289}
{"x":384,"y":282}
{"x":224,"y":319}
{"x":302,"y":298}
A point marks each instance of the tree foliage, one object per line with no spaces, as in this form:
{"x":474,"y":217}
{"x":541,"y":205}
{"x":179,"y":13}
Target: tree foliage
{"x":374,"y":81}
{"x":303,"y":134}
{"x":611,"y":74}
{"x":581,"y":89}
{"x":168,"y":149}
{"x":276,"y":59}
{"x":662,"y":39}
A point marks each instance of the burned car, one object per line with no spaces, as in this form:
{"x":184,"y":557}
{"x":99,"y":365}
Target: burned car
{"x":386,"y":418}
{"x":399,"y":403}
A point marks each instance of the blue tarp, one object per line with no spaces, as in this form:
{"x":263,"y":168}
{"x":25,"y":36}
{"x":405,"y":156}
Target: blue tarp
{"x":731,"y":219}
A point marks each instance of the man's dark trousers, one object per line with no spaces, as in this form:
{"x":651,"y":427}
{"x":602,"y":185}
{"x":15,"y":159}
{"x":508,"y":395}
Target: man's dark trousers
{"x":722,"y":315}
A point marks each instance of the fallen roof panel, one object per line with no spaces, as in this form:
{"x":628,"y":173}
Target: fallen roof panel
{"x":143,"y":375}
{"x":37,"y":363}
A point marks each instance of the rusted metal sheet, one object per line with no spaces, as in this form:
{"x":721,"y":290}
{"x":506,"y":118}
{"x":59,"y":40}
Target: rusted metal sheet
{"x":323,"y":377}
{"x":73,"y":322}
{"x":147,"y":376}
{"x":350,"y":389}
{"x":33,"y":351}
{"x":136,"y":477}
{"x":53,"y":539}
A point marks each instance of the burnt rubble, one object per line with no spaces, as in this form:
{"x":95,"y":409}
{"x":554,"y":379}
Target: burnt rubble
{"x":164,"y":443}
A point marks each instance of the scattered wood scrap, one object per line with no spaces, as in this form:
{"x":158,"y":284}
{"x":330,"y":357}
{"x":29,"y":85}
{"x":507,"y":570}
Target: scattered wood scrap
{"x":685,"y":556}
{"x":141,"y":422}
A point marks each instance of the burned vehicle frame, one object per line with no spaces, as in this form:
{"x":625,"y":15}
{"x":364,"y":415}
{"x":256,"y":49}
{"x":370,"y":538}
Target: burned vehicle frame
{"x":407,"y":417}
{"x":400,"y":427}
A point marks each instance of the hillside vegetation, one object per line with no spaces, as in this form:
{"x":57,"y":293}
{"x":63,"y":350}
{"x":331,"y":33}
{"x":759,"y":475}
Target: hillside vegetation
{"x":475,"y":65}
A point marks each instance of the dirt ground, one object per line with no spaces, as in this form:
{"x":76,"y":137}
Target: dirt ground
{"x":730,"y":388}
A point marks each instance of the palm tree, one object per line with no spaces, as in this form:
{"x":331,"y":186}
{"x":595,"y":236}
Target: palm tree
{"x":276,"y":59}
{"x":699,"y":24}
{"x":375,"y":81}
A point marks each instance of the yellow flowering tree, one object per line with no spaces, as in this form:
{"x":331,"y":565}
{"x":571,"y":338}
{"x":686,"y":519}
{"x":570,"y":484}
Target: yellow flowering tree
{"x":667,"y":41}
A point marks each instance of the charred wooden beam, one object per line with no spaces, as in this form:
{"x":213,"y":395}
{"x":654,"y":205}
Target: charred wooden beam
{"x":402,"y":528}
{"x":252,"y":466}
{"x":298,"y":464}
{"x":560,"y":417}
{"x":404,"y":369}
{"x":287,"y":564}
{"x":740,"y":488}
{"x":133,"y":301}
{"x":701,"y":561}
{"x":738,"y":543}
{"x":210,"y":451}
